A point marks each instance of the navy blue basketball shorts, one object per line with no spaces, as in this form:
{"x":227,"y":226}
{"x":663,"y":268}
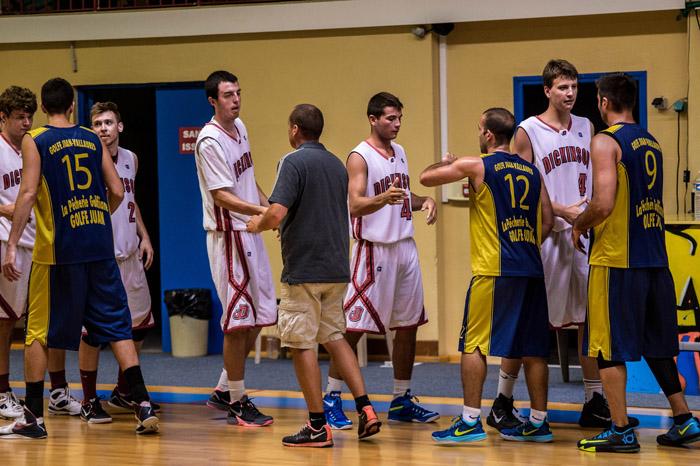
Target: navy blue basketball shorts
{"x":507,"y":317}
{"x":66,"y":297}
{"x":631,"y":313}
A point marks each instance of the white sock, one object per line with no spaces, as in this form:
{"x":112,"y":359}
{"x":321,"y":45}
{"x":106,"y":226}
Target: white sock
{"x":237,"y":389}
{"x":470,"y":415}
{"x":334,"y":385}
{"x":222,"y":386}
{"x":506,"y":382}
{"x":537,"y":417}
{"x":401,"y":386}
{"x":590,"y":387}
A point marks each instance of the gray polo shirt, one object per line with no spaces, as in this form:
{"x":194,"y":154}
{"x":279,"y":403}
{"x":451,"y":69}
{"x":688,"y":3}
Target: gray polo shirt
{"x":312,"y":184}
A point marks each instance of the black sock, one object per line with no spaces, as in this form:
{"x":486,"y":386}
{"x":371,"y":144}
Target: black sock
{"x":623,"y":428}
{"x":361,"y":402}
{"x":35,"y":397}
{"x":135,"y":380}
{"x":317,"y":420}
{"x":682,"y":418}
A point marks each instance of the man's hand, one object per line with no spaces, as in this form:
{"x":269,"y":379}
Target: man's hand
{"x":146,"y":248}
{"x":429,"y":205}
{"x":576,"y":239}
{"x":448,"y":158}
{"x":571,"y":213}
{"x":394,"y":195}
{"x":8,"y":263}
{"x":254,"y":223}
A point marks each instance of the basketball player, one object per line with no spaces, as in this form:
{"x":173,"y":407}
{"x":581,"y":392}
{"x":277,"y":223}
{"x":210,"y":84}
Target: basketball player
{"x":631,"y":297}
{"x":386,"y":292}
{"x":309,"y":201}
{"x":558,"y":143}
{"x":238,"y":260}
{"x":17,"y":107}
{"x":74,"y":280}
{"x":134,"y":253}
{"x":506,"y":307}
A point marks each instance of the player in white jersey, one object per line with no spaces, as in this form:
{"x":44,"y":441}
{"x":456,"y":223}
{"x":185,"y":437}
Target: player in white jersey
{"x":17,"y":107}
{"x":386,"y":292}
{"x":134,"y":254}
{"x":238,"y":260}
{"x":558,"y":143}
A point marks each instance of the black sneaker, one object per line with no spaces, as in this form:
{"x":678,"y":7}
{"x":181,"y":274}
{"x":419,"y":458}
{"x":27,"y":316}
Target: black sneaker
{"x":244,"y":413}
{"x":91,"y":411}
{"x":502,"y":416}
{"x":219,"y":400}
{"x":308,"y":437}
{"x":27,"y":426}
{"x":147,"y":420}
{"x":595,"y":413}
{"x":611,"y":441}
{"x":368,"y":423}
{"x":124,"y":402}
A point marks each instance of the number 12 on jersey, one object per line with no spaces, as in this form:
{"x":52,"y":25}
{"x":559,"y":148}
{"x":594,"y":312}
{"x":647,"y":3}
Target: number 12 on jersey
{"x":526,"y":190}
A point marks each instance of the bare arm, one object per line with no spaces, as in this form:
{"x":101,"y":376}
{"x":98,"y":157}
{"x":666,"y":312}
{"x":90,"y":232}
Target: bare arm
{"x":547,"y":214}
{"x":522,"y":145}
{"x":357,"y":187}
{"x":605,"y":153}
{"x":115,"y":187}
{"x":452,"y":169}
{"x":28,"y":189}
{"x":263,"y":197}
{"x":270,"y":220}
{"x":227,"y":200}
{"x":7,"y":210}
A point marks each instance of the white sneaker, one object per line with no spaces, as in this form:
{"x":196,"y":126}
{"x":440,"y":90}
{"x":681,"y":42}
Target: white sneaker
{"x":61,"y":402}
{"x":9,"y":406}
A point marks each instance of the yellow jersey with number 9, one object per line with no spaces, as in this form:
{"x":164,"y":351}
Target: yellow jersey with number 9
{"x":633,"y":235}
{"x":73,"y":222}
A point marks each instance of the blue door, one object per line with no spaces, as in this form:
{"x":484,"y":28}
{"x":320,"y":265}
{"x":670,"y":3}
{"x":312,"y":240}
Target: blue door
{"x":183,"y":252}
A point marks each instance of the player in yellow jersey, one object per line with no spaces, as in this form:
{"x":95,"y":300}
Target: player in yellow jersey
{"x":631,"y":298}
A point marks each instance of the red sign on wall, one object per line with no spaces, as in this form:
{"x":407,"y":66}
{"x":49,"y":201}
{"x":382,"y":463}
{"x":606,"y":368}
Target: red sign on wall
{"x":188,"y":139}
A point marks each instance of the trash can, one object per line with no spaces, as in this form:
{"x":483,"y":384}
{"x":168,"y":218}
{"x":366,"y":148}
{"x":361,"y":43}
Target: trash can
{"x":189,"y":311}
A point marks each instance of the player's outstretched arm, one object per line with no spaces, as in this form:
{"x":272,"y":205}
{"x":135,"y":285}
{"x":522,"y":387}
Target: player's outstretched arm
{"x":28,"y":189}
{"x":452,"y":169}
{"x":605,"y":152}
{"x":357,"y":187}
{"x":115,"y":187}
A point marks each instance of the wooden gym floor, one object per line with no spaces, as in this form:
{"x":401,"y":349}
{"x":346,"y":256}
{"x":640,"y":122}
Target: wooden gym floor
{"x":193,"y":434}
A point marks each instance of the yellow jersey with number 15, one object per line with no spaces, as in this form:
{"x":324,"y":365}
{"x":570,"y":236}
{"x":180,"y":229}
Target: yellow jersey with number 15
{"x":72,"y":212}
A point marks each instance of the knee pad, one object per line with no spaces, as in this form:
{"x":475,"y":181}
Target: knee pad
{"x":139,"y":334}
{"x":603,"y":364}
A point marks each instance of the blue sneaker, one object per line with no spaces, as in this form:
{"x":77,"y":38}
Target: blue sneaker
{"x":611,"y":441}
{"x":333,"y":409}
{"x":679,"y":435}
{"x":460,"y":431}
{"x":527,"y":432}
{"x":404,"y":409}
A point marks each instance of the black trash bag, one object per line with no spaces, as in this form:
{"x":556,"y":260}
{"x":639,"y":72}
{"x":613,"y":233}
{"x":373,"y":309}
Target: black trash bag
{"x":190,"y":302}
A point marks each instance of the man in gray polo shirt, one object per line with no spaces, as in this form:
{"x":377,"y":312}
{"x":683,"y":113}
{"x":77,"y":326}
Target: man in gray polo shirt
{"x":309,"y":204}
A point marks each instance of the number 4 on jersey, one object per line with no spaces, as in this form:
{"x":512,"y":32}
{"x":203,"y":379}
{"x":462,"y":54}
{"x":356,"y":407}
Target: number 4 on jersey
{"x":406,"y":209}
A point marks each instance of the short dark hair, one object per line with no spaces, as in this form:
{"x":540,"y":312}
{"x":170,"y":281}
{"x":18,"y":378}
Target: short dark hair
{"x":57,"y":96}
{"x":211,"y":85}
{"x":501,"y":123}
{"x":17,"y":98}
{"x":557,"y":68}
{"x":101,"y":107}
{"x":620,"y":90}
{"x":378,"y":102}
{"x":309,"y":120}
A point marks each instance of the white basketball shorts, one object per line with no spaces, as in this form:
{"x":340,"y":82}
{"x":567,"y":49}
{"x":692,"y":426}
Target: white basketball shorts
{"x":386,"y":291}
{"x":13,"y":295}
{"x":566,"y":279}
{"x":137,"y":293}
{"x":241,"y":272}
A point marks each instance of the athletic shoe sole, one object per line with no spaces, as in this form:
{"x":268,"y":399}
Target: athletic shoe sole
{"x":413,"y":419}
{"x":616,"y":449}
{"x":463,"y":439}
{"x":371,"y":429}
{"x":237,"y":421}
{"x":535,"y":438}
{"x":327,"y":444}
{"x":669,"y":443}
{"x":343,"y":427}
{"x":148,"y":426}
{"x":61,"y":412}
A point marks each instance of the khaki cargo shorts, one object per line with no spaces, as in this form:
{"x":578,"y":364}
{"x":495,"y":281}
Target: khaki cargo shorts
{"x":311,"y":313}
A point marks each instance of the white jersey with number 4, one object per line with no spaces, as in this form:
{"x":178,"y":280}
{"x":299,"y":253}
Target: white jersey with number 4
{"x":126,"y":240}
{"x":564,"y":160}
{"x":391,"y":223}
{"x":11,"y":174}
{"x":223,"y":161}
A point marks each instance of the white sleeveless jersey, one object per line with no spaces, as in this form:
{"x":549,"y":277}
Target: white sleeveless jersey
{"x":126,"y":240}
{"x":11,"y":173}
{"x":564,"y":160}
{"x":391,"y":223}
{"x":223,"y":161}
